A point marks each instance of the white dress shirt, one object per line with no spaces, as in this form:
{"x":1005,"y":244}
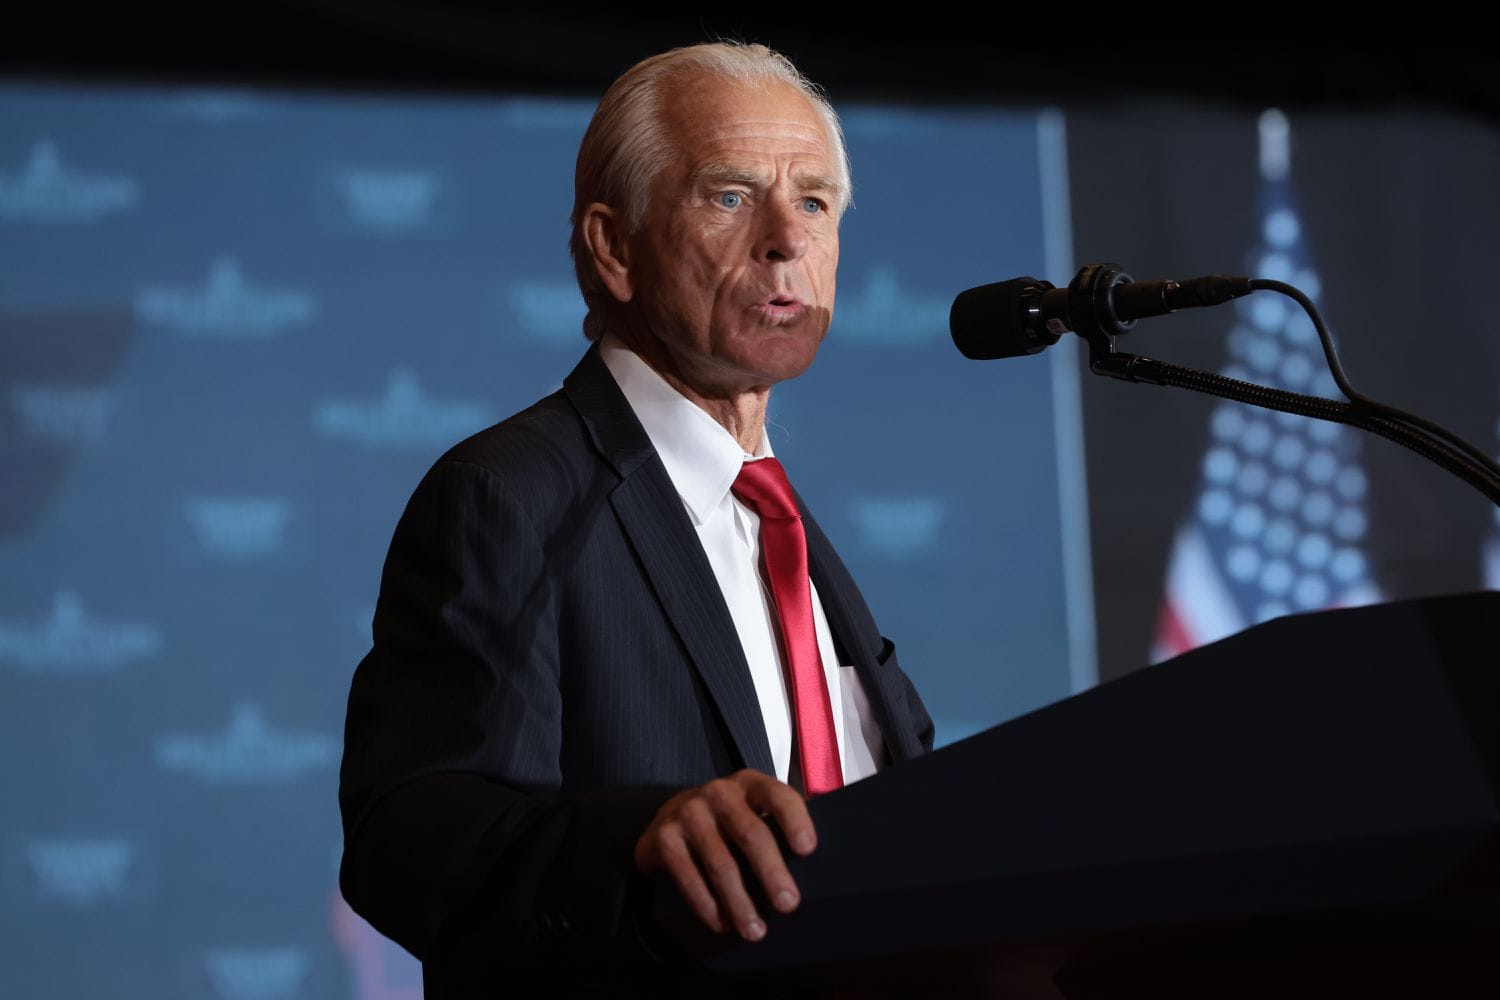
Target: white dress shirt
{"x":703,"y":460}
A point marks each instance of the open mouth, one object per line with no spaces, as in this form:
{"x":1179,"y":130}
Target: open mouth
{"x":780,"y":308}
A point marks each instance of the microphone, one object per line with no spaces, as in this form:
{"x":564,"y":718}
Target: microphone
{"x":1025,"y":315}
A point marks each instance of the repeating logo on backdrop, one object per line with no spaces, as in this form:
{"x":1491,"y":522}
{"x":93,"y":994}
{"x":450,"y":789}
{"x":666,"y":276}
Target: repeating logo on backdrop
{"x":256,"y":973}
{"x":389,"y":201}
{"x":568,"y":117}
{"x":898,"y":527}
{"x":216,"y":107}
{"x":226,"y":307}
{"x":250,"y":751}
{"x":404,"y":417}
{"x":545,"y":311}
{"x":65,"y":414}
{"x":81,"y":873}
{"x":71,"y":641}
{"x":883,"y":313}
{"x":239,"y":529}
{"x":47,"y":190}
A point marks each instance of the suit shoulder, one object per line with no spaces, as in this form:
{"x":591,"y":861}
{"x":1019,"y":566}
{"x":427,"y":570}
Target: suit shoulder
{"x":545,"y":439}
{"x":541,"y":461}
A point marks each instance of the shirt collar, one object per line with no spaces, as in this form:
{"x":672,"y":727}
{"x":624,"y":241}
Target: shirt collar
{"x":702,"y":458}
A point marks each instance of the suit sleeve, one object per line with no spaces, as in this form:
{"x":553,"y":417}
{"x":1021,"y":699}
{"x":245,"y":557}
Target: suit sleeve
{"x":457,"y":839}
{"x":921,"y":722}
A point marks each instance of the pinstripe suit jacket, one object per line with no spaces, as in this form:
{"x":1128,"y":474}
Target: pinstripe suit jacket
{"x":552,"y":660}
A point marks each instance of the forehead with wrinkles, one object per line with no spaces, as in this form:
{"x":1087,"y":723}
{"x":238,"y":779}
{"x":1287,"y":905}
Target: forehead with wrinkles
{"x":731,"y":132}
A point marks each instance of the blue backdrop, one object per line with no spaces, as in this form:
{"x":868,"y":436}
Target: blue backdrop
{"x":235,"y":328}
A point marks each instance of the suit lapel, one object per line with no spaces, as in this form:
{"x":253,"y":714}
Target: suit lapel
{"x":690,"y":596}
{"x":840,"y":600}
{"x":653,"y":519}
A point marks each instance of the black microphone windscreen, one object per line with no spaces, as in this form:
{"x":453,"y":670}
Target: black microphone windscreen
{"x":988,"y":322}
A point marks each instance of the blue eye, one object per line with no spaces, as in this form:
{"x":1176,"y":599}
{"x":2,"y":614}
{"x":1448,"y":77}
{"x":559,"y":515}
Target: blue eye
{"x":811,"y":206}
{"x":731,"y":199}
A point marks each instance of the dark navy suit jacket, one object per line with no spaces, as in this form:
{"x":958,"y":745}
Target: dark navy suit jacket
{"x":552,"y":660}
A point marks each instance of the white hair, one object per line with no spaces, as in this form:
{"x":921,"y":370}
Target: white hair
{"x":626,"y":144}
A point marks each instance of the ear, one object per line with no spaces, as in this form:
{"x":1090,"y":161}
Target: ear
{"x":604,"y":233}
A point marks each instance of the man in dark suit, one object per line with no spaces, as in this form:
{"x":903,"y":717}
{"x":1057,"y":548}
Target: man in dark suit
{"x":580,"y":677}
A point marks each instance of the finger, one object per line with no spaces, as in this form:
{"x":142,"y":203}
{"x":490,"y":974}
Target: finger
{"x":787,"y":807}
{"x":722,"y":870}
{"x":744,"y":828}
{"x":675,"y":857}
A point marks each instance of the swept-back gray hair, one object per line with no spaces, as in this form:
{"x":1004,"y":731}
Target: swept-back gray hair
{"x":626,"y":144}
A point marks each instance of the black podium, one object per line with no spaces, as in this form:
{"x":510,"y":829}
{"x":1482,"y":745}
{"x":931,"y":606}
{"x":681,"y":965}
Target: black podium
{"x":1308,"y":808}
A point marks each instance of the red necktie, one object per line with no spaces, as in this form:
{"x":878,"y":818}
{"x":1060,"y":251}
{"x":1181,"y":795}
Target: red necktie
{"x":763,"y":486}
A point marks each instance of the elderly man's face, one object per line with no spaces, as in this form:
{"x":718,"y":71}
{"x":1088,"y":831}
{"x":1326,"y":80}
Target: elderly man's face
{"x":733,"y":270}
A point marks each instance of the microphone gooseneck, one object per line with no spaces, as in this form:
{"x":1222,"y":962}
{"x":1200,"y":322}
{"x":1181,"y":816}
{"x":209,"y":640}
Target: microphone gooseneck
{"x":1027,"y":315}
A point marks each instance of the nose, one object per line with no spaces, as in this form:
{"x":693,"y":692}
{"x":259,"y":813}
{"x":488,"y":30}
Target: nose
{"x":783,"y":234}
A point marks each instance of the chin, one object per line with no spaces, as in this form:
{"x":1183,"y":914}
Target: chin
{"x":779,"y":357}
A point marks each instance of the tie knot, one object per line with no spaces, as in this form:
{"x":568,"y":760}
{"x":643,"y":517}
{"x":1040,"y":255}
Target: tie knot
{"x":763,"y":485}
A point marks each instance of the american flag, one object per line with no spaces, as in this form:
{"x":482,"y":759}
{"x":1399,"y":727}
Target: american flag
{"x":1279,"y":524}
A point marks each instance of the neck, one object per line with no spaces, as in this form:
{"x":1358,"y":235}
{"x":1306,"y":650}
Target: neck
{"x":744,"y":418}
{"x":739,"y":410}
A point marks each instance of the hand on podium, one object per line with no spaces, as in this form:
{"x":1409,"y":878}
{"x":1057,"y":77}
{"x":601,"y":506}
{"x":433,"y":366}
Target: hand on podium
{"x":690,"y":838}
